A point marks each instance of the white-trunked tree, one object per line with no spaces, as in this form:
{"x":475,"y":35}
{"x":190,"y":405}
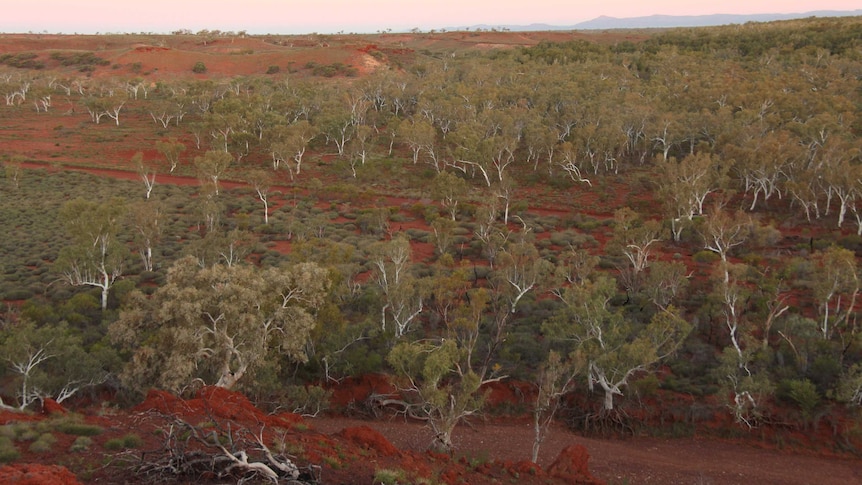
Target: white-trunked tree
{"x":219,"y":323}
{"x":95,"y":256}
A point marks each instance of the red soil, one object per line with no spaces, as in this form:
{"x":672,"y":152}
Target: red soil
{"x":36,"y":474}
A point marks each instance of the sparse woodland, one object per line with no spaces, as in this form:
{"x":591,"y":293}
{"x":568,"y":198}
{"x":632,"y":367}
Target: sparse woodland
{"x":664,"y":230}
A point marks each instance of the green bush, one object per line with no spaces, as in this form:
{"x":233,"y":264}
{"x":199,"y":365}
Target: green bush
{"x":81,"y":444}
{"x":8,"y":431}
{"x":199,"y":68}
{"x":114,"y":444}
{"x":389,"y":477}
{"x":132,"y":440}
{"x":801,"y":392}
{"x":307,"y":400}
{"x":43,"y":444}
{"x":77,"y":428}
{"x":8,"y":451}
{"x":705,"y":257}
{"x":273,"y":70}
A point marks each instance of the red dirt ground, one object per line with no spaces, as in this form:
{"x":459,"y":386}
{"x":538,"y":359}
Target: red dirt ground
{"x":350,"y":450}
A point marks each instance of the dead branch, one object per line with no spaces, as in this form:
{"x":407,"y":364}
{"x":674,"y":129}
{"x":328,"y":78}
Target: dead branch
{"x":193,"y":452}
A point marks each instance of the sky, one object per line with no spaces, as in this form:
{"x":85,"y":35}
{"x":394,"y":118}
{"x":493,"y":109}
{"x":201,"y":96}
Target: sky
{"x":353,"y":16}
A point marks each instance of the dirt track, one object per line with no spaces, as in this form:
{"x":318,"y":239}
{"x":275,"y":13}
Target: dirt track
{"x":635,"y":460}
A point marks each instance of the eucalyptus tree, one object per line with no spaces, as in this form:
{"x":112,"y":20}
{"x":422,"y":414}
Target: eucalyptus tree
{"x":556,"y":378}
{"x":261,"y":182}
{"x":723,"y":231}
{"x":835,"y":285}
{"x":212,"y":166}
{"x":450,"y":189}
{"x":145,"y":172}
{"x":540,"y":141}
{"x":47,"y":361}
{"x":763,"y":164}
{"x":12,"y":170}
{"x":613,"y":346}
{"x":403,"y":296}
{"x":171,"y":150}
{"x":95,"y":256}
{"x":219,"y":324}
{"x":635,"y":238}
{"x":299,"y":135}
{"x":418,"y":135}
{"x":685,"y":184}
{"x":840,"y":173}
{"x":147,"y":221}
{"x":443,"y":377}
{"x":519,"y":271}
{"x":224,"y":120}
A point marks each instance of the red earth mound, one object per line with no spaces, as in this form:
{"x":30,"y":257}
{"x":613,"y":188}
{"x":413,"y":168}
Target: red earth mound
{"x":369,"y":439}
{"x":36,"y":474}
{"x":572,"y":465}
{"x":216,"y":402}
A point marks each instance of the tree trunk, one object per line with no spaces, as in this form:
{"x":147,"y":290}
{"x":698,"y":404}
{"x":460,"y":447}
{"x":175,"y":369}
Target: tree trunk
{"x":538,"y":437}
{"x":609,"y":400}
{"x":106,"y":286}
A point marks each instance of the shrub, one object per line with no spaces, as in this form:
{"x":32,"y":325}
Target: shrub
{"x":81,"y":444}
{"x":77,"y":428}
{"x":8,"y":451}
{"x":132,"y":441}
{"x":387,"y":476}
{"x":273,"y":70}
{"x":7,"y":431}
{"x":705,"y":257}
{"x":199,"y":68}
{"x":803,"y":393}
{"x":307,"y":400}
{"x":44,"y":444}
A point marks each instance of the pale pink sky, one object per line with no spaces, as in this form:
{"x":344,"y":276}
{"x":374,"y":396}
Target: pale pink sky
{"x":327,"y":16}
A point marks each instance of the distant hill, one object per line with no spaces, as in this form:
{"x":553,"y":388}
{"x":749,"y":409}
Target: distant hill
{"x":665,"y":21}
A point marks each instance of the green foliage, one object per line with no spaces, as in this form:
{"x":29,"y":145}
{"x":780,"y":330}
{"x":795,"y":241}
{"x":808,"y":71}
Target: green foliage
{"x":199,"y":68}
{"x":8,"y":451}
{"x":705,"y":257}
{"x":614,"y":345}
{"x":307,"y":400}
{"x":43,"y":444}
{"x":446,"y":391}
{"x":803,"y":393}
{"x":218,"y":323}
{"x":22,"y":60}
{"x":47,"y":359}
{"x":73,"y":425}
{"x":81,"y":444}
{"x":126,"y":442}
{"x":332,"y":70}
{"x":80,"y":59}
{"x":386,"y":476}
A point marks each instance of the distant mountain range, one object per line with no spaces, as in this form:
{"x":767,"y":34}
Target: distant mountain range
{"x":666,"y":21}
